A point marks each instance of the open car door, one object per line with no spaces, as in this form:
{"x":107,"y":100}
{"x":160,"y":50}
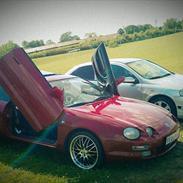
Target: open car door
{"x":39,"y":103}
{"x":103,"y":71}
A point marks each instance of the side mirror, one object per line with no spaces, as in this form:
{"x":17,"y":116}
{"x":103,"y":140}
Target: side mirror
{"x":120,"y":80}
{"x":130,"y":80}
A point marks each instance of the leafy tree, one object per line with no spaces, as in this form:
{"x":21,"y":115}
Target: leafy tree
{"x":75,"y":37}
{"x":131,"y":29}
{"x":144,"y":27}
{"x":172,"y":23}
{"x":7,"y":47}
{"x":67,"y":36}
{"x":120,"y":31}
{"x":90,"y":35}
{"x":32,"y":44}
{"x":181,"y":23}
{"x":25,"y":44}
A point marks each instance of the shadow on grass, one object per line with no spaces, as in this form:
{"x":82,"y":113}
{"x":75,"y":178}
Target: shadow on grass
{"x":40,"y":160}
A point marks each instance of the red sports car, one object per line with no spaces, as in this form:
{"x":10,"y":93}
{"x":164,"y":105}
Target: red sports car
{"x":90,"y":122}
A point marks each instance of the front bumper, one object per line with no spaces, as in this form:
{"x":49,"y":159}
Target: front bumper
{"x":148,"y":154}
{"x":154,"y":148}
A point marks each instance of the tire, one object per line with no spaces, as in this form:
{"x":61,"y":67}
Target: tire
{"x":166,"y":103}
{"x":85,"y":150}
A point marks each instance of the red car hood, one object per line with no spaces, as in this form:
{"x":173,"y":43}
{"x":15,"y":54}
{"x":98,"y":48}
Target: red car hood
{"x":127,"y":112}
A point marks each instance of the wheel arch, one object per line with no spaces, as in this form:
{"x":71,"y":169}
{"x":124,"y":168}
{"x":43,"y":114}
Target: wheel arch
{"x":163,"y":96}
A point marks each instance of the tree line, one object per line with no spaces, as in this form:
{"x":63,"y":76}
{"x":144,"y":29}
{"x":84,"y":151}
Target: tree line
{"x":123,"y":35}
{"x":169,"y":24}
{"x":126,"y":34}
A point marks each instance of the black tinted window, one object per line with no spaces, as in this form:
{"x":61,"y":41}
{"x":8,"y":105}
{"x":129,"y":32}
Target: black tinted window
{"x":120,"y":72}
{"x":85,"y":72}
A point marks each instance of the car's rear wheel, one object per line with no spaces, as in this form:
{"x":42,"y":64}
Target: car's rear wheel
{"x":166,"y":103}
{"x":85,"y":150}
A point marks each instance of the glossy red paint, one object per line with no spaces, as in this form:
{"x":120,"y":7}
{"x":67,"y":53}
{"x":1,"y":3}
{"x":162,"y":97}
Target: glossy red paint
{"x":107,"y":119}
{"x":29,"y":89}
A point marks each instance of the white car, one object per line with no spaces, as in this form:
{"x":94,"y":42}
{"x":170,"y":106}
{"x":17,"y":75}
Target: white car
{"x":144,"y":80}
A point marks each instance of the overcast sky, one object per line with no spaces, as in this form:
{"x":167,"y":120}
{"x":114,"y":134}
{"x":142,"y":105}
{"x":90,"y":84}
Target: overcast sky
{"x":48,"y":19}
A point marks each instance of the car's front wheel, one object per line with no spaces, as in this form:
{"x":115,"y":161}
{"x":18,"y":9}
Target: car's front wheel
{"x":165,"y":103}
{"x":85,"y":150}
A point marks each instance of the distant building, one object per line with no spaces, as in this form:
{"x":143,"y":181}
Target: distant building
{"x":51,"y":46}
{"x":69,"y":43}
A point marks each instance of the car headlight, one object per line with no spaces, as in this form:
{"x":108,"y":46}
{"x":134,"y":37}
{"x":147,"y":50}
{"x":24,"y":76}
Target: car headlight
{"x":131,"y":133}
{"x":181,"y":93}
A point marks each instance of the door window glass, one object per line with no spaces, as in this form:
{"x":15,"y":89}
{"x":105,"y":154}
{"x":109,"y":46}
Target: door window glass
{"x":85,"y":72}
{"x":120,"y":72}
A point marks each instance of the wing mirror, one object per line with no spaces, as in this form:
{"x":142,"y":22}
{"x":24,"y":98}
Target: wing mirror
{"x":130,"y":80}
{"x":120,"y":80}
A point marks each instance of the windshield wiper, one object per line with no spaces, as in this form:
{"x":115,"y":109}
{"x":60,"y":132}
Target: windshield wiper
{"x":101,"y":98}
{"x":83,"y":103}
{"x":79,"y":104}
{"x":156,"y":77}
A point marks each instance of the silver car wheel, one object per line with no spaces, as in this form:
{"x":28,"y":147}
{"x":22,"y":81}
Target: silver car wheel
{"x":163,"y":104}
{"x":84,"y":152}
{"x":166,"y":103}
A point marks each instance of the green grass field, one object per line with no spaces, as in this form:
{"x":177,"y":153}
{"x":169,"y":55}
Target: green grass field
{"x":25,"y":163}
{"x":166,"y":51}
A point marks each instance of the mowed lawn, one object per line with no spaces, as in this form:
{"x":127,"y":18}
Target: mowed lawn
{"x":166,"y":51}
{"x":25,"y":163}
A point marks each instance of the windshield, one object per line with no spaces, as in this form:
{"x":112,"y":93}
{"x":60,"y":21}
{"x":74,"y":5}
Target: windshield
{"x":148,"y":70}
{"x":78,"y":91}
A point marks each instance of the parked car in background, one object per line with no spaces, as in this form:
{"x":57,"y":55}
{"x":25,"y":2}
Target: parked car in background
{"x":91,"y":123}
{"x":47,"y":73}
{"x":144,"y":80}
